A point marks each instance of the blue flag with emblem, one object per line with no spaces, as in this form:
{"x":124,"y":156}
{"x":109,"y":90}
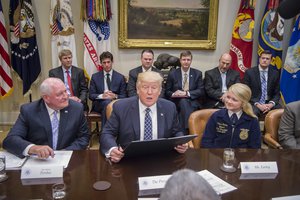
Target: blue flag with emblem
{"x":290,"y":75}
{"x":25,"y":58}
{"x":271,"y":33}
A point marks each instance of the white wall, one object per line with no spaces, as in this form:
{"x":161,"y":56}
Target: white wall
{"x":124,"y":59}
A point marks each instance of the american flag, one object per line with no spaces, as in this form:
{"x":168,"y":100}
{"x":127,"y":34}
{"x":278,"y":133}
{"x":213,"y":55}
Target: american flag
{"x":6,"y":83}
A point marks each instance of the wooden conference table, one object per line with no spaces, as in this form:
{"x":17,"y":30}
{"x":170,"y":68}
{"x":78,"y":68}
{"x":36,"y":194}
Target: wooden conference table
{"x":87,"y":167}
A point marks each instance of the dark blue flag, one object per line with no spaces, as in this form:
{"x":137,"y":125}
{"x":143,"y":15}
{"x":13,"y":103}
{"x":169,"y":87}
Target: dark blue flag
{"x":290,"y":75}
{"x":271,"y":33}
{"x":25,"y":58}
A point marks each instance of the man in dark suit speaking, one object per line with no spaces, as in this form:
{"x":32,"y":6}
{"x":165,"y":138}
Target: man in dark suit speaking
{"x":142,"y":117}
{"x":72,"y":76}
{"x":52,"y":123}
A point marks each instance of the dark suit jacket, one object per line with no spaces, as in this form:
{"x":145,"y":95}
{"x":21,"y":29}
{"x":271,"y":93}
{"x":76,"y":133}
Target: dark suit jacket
{"x":118,"y":86}
{"x":33,"y":126}
{"x":78,"y":80}
{"x":213,"y":84}
{"x":174,"y":82}
{"x":133,"y":74}
{"x":124,"y":123}
{"x":252,"y":79}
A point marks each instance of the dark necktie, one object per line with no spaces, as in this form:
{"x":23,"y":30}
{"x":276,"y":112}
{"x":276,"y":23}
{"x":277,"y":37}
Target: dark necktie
{"x":233,"y":119}
{"x":69,"y":83}
{"x":108,"y":81}
{"x":148,"y":125}
{"x":263,"y":87}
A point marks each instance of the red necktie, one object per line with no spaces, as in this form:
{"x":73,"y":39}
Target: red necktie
{"x":70,"y":83}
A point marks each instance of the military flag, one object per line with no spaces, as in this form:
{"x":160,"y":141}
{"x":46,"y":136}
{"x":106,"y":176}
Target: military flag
{"x":242,"y":37}
{"x":96,"y":15}
{"x":62,"y":30}
{"x":271,"y":33}
{"x":290,"y":75}
{"x":6,"y":82}
{"x":24,"y":50}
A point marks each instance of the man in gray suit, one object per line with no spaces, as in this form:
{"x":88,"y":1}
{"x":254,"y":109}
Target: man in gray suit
{"x":147,"y":58}
{"x":289,"y":128}
{"x":52,"y":123}
{"x":218,"y":80}
{"x":72,"y":76}
{"x":131,"y":117}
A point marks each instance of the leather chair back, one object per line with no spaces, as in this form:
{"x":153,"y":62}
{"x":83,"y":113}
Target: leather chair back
{"x":197,"y":124}
{"x":109,"y":108}
{"x":272,"y":121}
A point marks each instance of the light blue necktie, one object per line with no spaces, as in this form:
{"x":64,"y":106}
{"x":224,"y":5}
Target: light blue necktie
{"x":148,"y":125}
{"x":263,"y":87}
{"x":54,"y":125}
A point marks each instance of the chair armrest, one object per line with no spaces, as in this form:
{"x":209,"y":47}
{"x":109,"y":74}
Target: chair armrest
{"x":271,"y":141}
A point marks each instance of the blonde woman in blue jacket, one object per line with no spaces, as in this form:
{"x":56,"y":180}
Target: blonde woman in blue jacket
{"x":235,"y":126}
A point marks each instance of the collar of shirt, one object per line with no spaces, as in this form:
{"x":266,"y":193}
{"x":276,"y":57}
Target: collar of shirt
{"x":261,"y":69}
{"x":110,"y":73}
{"x":222,"y":72}
{"x":144,"y":70}
{"x":153,"y":115}
{"x":183,"y":72}
{"x":238,"y":114}
{"x":70,"y":70}
{"x":51,"y":111}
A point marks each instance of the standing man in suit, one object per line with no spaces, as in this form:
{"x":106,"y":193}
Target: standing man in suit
{"x":289,"y":127}
{"x":184,"y":87}
{"x":141,"y":117}
{"x":264,"y":84}
{"x":52,"y":123}
{"x":72,"y":76}
{"x":106,"y":85}
{"x":218,"y":80}
{"x":147,"y":58}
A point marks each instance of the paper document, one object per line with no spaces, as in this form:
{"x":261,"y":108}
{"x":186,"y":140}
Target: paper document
{"x":220,"y":186}
{"x":13,"y":162}
{"x":61,"y":158}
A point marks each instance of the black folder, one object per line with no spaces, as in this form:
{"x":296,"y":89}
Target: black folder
{"x":138,"y":148}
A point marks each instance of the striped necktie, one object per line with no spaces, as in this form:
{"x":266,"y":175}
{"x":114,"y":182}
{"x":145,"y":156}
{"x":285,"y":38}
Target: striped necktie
{"x":263,"y":87}
{"x":54,"y":125}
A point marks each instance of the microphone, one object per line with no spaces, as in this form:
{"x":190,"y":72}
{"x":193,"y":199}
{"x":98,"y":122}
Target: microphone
{"x":289,"y":9}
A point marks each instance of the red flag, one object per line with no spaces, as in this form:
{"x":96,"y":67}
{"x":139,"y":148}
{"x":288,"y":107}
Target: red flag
{"x":6,"y":83}
{"x":242,"y":38}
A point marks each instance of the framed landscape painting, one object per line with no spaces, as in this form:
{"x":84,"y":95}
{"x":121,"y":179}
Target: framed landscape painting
{"x":188,"y":24}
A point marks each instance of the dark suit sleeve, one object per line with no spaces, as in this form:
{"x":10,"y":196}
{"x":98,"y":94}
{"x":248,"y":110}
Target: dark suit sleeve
{"x":170,"y":84}
{"x":131,"y":86}
{"x":209,"y":135}
{"x":83,"y":89}
{"x":83,"y":137}
{"x":51,"y":73}
{"x":93,"y":88}
{"x":15,"y":141}
{"x":274,"y":87}
{"x":211,"y":91}
{"x":247,"y":81}
{"x":255,"y":135}
{"x":122,"y":91}
{"x":198,"y":90}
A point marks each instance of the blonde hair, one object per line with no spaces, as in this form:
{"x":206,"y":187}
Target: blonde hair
{"x":243,"y":93}
{"x":64,"y":52}
{"x":149,"y":76}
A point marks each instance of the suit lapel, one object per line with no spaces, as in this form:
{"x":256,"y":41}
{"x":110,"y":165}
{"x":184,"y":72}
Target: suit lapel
{"x":101,"y":81}
{"x":74,"y":79}
{"x":136,"y":119}
{"x":191,"y":79}
{"x":179,"y":78}
{"x":63,"y":120}
{"x":160,"y":121}
{"x":257,"y":77}
{"x":45,"y":118}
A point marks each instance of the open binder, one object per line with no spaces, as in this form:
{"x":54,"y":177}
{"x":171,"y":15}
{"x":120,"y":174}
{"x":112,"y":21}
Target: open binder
{"x":138,"y":148}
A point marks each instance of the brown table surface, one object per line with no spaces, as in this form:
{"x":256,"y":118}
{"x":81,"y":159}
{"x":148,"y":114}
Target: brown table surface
{"x":87,"y":167}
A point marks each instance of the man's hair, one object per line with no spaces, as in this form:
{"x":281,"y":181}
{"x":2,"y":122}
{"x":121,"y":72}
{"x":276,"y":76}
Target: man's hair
{"x":106,"y":54}
{"x":186,"y":53}
{"x":46,"y":87}
{"x":64,"y":52}
{"x":268,"y":52}
{"x":147,"y":51}
{"x":186,"y":184}
{"x":149,"y":76}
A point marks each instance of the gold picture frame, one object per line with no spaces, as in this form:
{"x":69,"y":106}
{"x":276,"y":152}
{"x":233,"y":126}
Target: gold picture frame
{"x":129,"y":38}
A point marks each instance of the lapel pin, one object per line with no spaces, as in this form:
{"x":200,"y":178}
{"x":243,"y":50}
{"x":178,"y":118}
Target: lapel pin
{"x":162,"y":114}
{"x":66,"y":111}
